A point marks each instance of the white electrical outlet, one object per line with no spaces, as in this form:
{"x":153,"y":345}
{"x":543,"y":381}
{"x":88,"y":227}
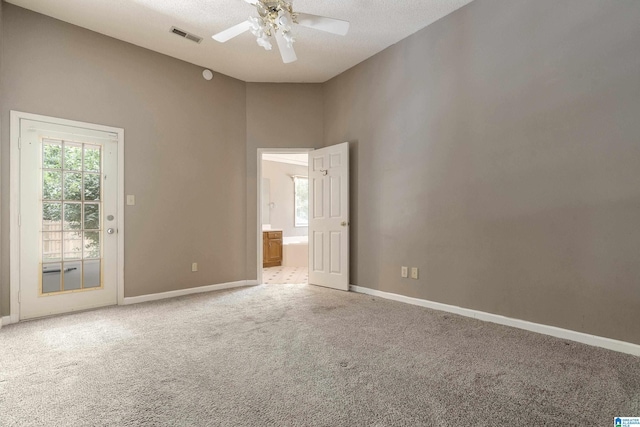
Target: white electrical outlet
{"x":404,"y":271}
{"x":131,"y":200}
{"x":194,"y":266}
{"x":414,"y":272}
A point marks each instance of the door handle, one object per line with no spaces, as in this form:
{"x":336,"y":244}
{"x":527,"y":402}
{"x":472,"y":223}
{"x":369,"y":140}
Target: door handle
{"x":344,"y":223}
{"x":110,"y":231}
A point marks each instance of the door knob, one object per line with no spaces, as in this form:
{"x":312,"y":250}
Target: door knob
{"x":110,"y":231}
{"x":344,"y":223}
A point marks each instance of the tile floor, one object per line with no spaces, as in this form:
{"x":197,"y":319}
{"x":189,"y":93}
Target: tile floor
{"x":285,"y":275}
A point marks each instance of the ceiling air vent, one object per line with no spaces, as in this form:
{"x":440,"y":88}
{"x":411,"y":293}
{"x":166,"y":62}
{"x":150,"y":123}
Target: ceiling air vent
{"x":186,"y":35}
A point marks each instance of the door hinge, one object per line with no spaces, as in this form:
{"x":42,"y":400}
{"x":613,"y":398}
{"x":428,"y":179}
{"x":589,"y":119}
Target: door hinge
{"x":19,"y":220}
{"x":19,"y":296}
{"x":19,"y":143}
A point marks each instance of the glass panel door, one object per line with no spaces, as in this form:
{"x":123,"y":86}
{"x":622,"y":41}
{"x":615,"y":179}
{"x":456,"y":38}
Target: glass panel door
{"x":68,"y":198}
{"x":71,"y":233}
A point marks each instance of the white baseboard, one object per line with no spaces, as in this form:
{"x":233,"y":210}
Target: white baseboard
{"x":608,"y":343}
{"x":6,"y":320}
{"x":189,"y":291}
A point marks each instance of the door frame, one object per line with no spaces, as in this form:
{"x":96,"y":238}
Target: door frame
{"x":262,"y":151}
{"x":14,"y":202}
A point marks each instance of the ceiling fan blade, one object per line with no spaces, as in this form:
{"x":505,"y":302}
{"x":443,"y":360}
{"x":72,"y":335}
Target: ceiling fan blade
{"x":330,"y":25}
{"x":287,"y":53}
{"x":251,"y":1}
{"x":232,"y":32}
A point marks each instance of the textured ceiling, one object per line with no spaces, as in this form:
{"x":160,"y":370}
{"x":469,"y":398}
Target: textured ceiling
{"x":375,"y":25}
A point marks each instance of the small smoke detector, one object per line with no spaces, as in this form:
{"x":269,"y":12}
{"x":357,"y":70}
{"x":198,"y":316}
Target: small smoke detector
{"x":185,"y":34}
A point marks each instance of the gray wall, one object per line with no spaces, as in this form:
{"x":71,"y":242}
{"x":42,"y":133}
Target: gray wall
{"x":184,"y":145}
{"x":498,"y":150}
{"x":283,"y":195}
{"x":279,"y":115}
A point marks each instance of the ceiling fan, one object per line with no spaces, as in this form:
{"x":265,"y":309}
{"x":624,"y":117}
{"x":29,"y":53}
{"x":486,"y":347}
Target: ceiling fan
{"x":275,"y":19}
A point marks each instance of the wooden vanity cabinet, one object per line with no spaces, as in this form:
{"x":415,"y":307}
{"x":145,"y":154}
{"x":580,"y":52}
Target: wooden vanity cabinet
{"x":271,"y":248}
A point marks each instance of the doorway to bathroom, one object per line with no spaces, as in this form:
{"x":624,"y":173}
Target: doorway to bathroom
{"x":284,"y":213}
{"x":325,"y":211}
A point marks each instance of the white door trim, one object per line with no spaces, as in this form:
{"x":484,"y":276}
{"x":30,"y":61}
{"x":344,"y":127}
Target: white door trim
{"x":14,"y":202}
{"x":259,"y":198}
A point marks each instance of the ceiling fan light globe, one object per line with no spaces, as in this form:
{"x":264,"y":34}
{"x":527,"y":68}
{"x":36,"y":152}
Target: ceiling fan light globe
{"x":288,"y":38}
{"x":255,"y":26}
{"x":264,"y":42}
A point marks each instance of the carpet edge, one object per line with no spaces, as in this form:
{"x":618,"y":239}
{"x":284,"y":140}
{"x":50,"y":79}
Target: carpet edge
{"x":581,"y":337}
{"x":188,"y":291}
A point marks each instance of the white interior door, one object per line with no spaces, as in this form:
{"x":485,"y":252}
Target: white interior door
{"x":329,"y":217}
{"x":68,"y":226}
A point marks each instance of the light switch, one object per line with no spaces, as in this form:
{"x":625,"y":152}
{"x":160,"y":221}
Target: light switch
{"x":414,"y":272}
{"x":131,"y":199}
{"x":194,"y":266}
{"x":404,"y":271}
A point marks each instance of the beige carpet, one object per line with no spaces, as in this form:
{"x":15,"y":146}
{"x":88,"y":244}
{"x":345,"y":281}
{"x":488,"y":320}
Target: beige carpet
{"x":298,"y":355}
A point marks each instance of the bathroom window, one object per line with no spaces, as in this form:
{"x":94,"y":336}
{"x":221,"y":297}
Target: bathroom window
{"x":301,"y":201}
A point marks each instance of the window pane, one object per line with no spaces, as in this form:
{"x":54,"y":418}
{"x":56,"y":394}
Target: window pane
{"x":91,"y":216}
{"x":92,"y":274}
{"x":51,"y":278}
{"x":72,"y":156}
{"x":301,"y":208}
{"x":91,"y":158}
{"x":51,"y":246}
{"x":92,"y":244}
{"x":72,"y":218}
{"x":72,"y":275}
{"x":51,"y":185}
{"x":52,"y":155}
{"x":91,"y":186}
{"x":51,"y":216}
{"x":72,"y":245}
{"x":72,"y":185}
